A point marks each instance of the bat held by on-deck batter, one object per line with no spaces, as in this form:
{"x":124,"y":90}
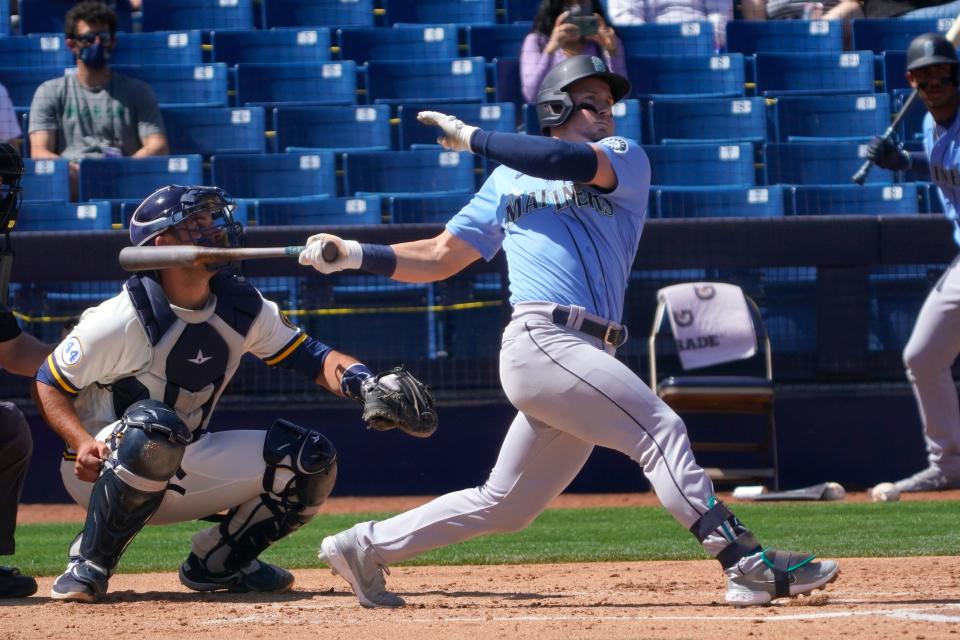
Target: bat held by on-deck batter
{"x":153,"y":257}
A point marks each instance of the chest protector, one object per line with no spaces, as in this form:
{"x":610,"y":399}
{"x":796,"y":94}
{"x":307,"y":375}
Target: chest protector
{"x":192,"y":362}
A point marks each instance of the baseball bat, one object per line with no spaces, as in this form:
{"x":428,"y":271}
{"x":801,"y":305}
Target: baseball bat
{"x":953,"y":35}
{"x":153,"y":257}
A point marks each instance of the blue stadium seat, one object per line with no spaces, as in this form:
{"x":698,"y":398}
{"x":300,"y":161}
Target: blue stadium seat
{"x":425,"y":207}
{"x":135,"y":178}
{"x":492,"y":117}
{"x":930,"y":198}
{"x":720,"y":202}
{"x":441,"y":11}
{"x":64,"y":216}
{"x":46,"y":16}
{"x":496,"y":41}
{"x":279,"y":175}
{"x":46,"y":180}
{"x":275,"y":45}
{"x":715,"y":76}
{"x":328,"y":13}
{"x":4,"y":19}
{"x":518,"y":10}
{"x":450,"y":80}
{"x":49,"y":50}
{"x":836,"y":116}
{"x":677,"y":39}
{"x":177,"y":85}
{"x":894,"y":70}
{"x":417,"y":171}
{"x":297,"y":84}
{"x":158,"y":47}
{"x":698,"y":165}
{"x":743,"y":119}
{"x":410,"y":42}
{"x":207,"y":131}
{"x":506,"y":80}
{"x":171,"y":15}
{"x":320,"y":210}
{"x":825,"y":162}
{"x":335,"y":128}
{"x":22,"y":82}
{"x":911,"y":127}
{"x":881,"y":34}
{"x":784,"y":36}
{"x":626,"y":116}
{"x":869,"y":199}
{"x":815,"y":73}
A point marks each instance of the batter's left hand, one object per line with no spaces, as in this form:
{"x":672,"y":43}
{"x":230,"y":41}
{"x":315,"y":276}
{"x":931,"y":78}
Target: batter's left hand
{"x":456,"y":134}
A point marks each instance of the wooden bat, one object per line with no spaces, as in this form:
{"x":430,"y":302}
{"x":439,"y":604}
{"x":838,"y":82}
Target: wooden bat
{"x":152,"y":257}
{"x":953,"y":35}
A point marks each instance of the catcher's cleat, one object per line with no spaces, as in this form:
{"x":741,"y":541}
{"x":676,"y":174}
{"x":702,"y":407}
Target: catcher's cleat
{"x":257,"y":576}
{"x":361,"y":568}
{"x":14,"y":584}
{"x":776,"y":574}
{"x":81,"y":582}
{"x":930,"y":479}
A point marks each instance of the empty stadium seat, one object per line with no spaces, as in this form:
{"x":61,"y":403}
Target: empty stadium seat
{"x":410,"y":42}
{"x":135,"y":178}
{"x":825,"y":162}
{"x":319,"y":210}
{"x":785,"y":36}
{"x":46,"y":16}
{"x":517,"y":10}
{"x":297,"y":84}
{"x":495,"y":41}
{"x":335,"y":128}
{"x":742,"y":119}
{"x":880,"y":34}
{"x":275,"y":45}
{"x":701,"y":164}
{"x":837,"y":116}
{"x":678,"y":38}
{"x":894,"y":70}
{"x":279,"y":175}
{"x":330,"y":13}
{"x":64,"y":216}
{"x":715,"y":76}
{"x":839,"y":199}
{"x":183,"y":85}
{"x":441,"y":11}
{"x":207,"y":131}
{"x":450,"y":80}
{"x":626,"y":116}
{"x":417,"y":171}
{"x":48,"y":50}
{"x":46,"y":180}
{"x":170,"y":15}
{"x":426,"y":207}
{"x":718,"y":202}
{"x":158,"y":47}
{"x":4,"y":19}
{"x":22,"y":82}
{"x":491,"y":117}
{"x":815,"y":73}
{"x":506,"y":80}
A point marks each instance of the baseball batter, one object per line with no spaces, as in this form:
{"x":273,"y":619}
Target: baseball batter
{"x":932,"y":69}
{"x":132,"y":390}
{"x":567,"y":209}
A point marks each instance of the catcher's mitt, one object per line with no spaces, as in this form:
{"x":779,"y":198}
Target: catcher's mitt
{"x":395,"y":399}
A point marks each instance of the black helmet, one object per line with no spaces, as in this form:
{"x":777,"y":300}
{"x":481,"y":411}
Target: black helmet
{"x":554,"y":105}
{"x":930,"y":48}
{"x":11,"y":193}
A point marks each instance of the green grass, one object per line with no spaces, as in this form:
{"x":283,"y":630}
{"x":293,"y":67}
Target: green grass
{"x":569,"y":535}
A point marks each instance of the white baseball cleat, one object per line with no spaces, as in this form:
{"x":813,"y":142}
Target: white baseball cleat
{"x":777,"y":574}
{"x":361,"y":568}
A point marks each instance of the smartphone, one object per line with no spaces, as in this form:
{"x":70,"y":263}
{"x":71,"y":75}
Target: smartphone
{"x":586,"y":24}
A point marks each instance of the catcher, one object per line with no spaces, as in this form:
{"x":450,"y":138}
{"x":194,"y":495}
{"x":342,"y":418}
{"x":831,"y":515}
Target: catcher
{"x":132,"y":390}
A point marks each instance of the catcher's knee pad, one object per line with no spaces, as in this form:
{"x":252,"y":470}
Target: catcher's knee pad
{"x":719,"y":519}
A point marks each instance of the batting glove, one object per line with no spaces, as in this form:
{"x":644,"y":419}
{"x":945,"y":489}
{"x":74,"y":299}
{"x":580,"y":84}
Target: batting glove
{"x":312,"y":255}
{"x":884,"y":153}
{"x":456,"y":134}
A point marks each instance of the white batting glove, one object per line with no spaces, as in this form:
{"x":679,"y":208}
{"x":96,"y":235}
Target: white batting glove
{"x":456,"y":134}
{"x":349,"y":254}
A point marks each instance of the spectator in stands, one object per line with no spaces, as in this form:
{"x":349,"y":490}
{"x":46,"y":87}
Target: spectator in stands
{"x":556,"y":37}
{"x":10,"y":130}
{"x":95,"y":112}
{"x":911,"y":9}
{"x":718,"y":12}
{"x":845,"y":10}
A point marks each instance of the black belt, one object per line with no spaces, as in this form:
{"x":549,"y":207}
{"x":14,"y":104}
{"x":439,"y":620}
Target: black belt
{"x":606,"y":332}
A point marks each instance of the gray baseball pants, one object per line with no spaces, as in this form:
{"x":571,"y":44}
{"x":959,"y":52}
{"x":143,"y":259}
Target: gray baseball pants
{"x":16,"y":446}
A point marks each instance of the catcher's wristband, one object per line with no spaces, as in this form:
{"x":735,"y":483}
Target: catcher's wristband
{"x":351,"y":383}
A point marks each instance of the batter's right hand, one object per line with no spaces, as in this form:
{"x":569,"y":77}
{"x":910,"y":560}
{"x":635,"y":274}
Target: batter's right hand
{"x":90,"y":457}
{"x":884,"y":153}
{"x":349,"y":254}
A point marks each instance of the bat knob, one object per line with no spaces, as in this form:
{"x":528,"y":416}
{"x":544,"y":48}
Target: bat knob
{"x":329,"y":251}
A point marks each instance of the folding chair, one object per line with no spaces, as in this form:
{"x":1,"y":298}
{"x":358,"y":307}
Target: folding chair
{"x":722,"y":388}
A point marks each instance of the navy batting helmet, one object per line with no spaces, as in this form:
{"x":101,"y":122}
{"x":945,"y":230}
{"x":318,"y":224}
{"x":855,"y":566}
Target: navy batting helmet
{"x":169,"y":206}
{"x":930,"y":48}
{"x":11,"y":193}
{"x":554,"y":105}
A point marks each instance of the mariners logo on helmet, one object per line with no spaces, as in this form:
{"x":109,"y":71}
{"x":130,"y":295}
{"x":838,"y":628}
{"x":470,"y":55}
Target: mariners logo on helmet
{"x":598,"y":64}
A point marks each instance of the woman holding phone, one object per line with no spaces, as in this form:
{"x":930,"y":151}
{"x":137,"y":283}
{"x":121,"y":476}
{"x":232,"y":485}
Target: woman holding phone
{"x":566,"y":28}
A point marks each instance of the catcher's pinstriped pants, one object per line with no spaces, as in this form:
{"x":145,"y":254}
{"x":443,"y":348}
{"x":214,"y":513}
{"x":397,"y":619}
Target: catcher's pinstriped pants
{"x":572,"y":394}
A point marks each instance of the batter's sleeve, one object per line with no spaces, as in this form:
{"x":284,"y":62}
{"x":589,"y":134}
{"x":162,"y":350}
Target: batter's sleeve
{"x":280,"y":343}
{"x":478,"y":223}
{"x":632,"y":166}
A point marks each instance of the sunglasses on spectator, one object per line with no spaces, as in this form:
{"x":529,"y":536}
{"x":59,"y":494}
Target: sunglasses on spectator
{"x":90,"y":37}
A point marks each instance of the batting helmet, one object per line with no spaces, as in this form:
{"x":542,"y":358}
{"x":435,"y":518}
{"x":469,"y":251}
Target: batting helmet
{"x":554,"y":105}
{"x":930,"y":48}
{"x":11,"y":193}
{"x":173,"y":204}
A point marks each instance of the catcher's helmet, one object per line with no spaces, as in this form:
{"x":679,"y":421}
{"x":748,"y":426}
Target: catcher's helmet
{"x":174,"y":204}
{"x":930,"y":48}
{"x":11,"y":193}
{"x":554,"y":104}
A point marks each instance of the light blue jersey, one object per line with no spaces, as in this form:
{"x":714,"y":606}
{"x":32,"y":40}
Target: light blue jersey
{"x":943,"y":150}
{"x":565,"y":243}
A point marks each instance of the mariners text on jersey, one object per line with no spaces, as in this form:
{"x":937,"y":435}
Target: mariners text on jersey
{"x":561,"y":198}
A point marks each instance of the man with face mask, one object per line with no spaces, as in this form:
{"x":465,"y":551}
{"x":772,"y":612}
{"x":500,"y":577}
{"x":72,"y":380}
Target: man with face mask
{"x":94,"y":112}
